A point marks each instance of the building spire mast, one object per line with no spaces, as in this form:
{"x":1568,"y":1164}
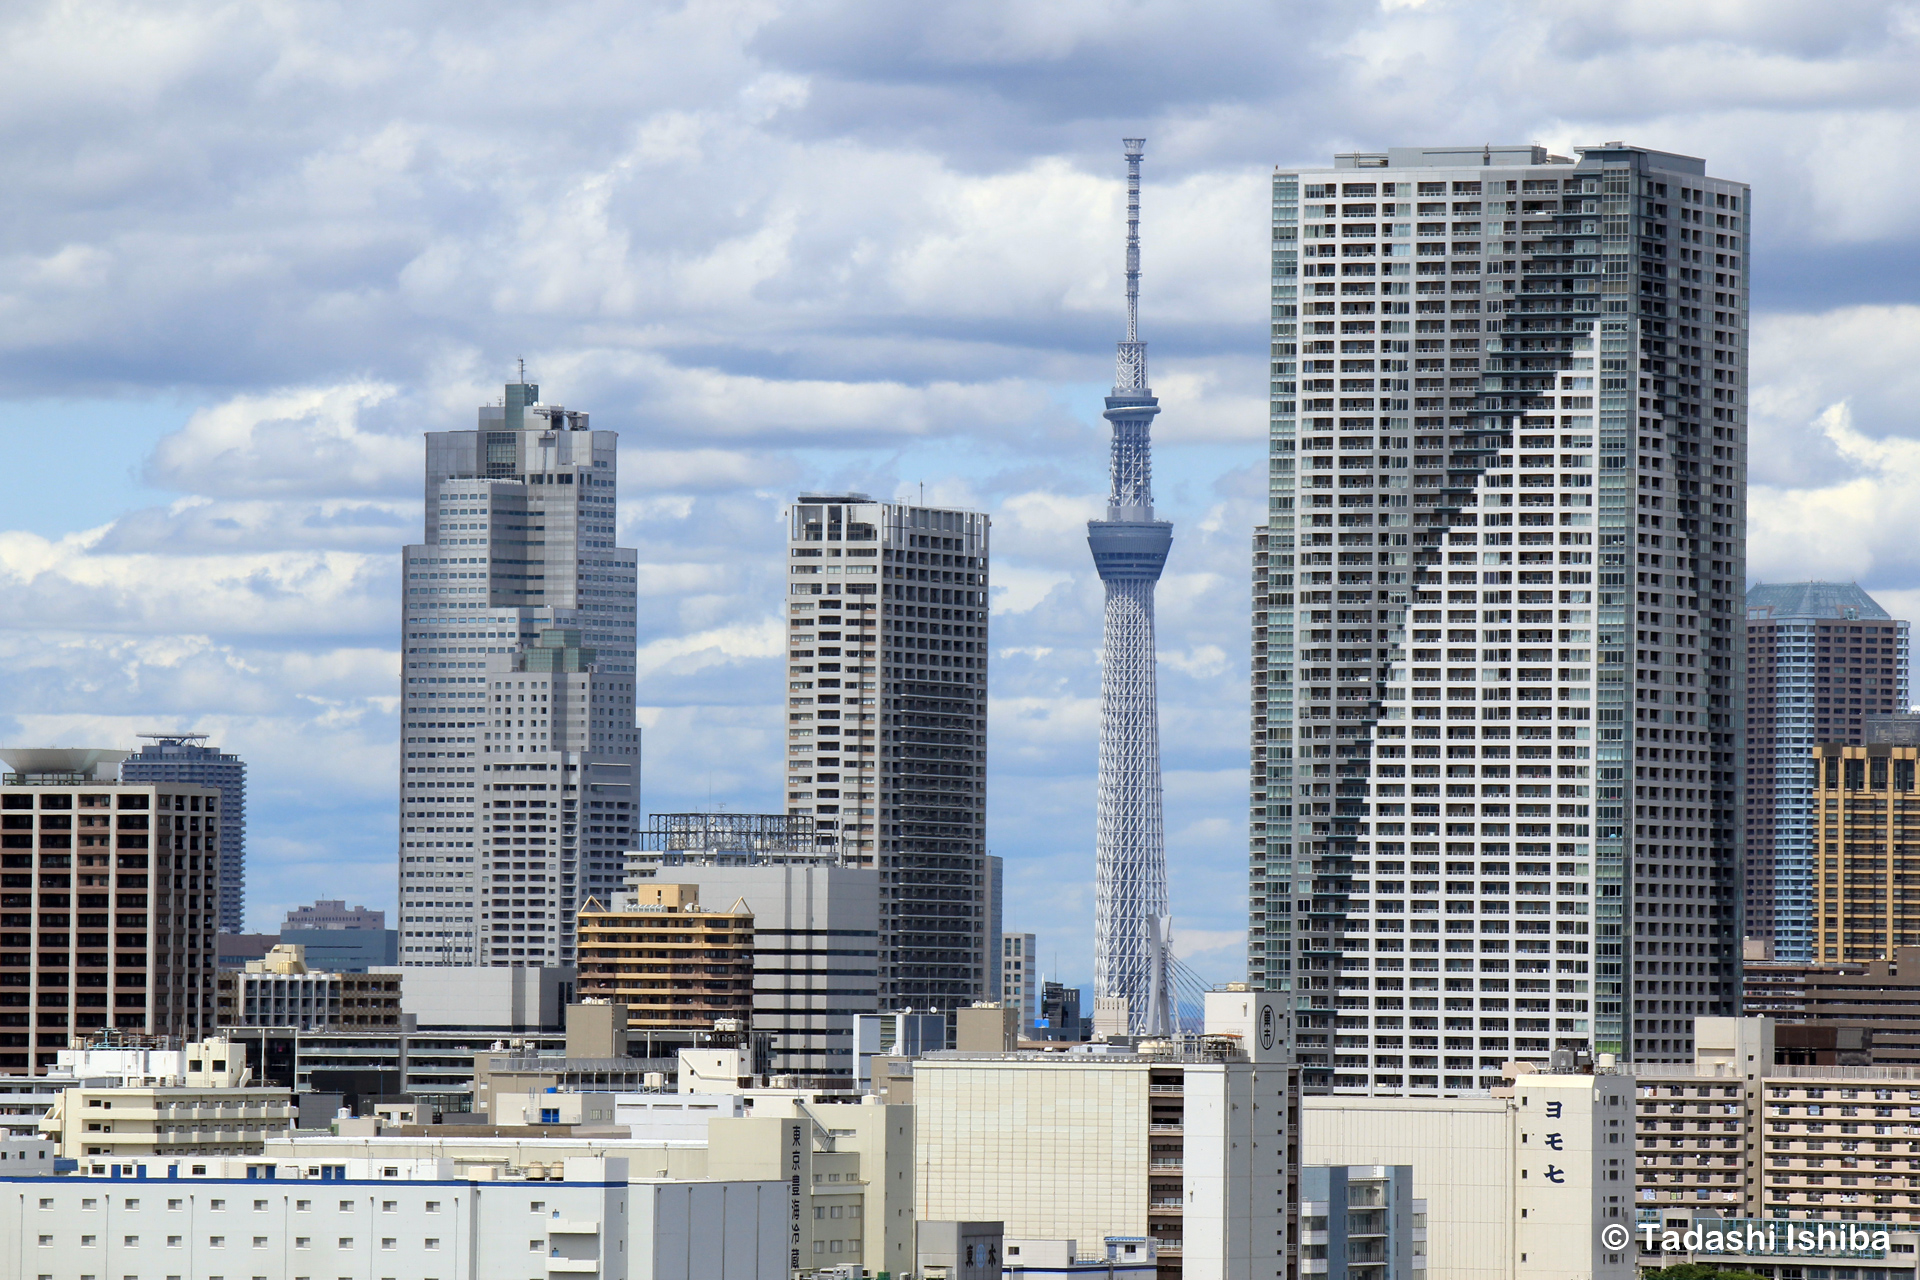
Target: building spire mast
{"x":1131,"y":374}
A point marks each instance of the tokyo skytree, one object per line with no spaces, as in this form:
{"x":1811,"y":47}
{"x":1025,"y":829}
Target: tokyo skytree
{"x":1131,"y":960}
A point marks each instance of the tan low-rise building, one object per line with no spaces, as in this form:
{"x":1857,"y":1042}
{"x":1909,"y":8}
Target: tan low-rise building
{"x":674,"y":964}
{"x":210,"y":1109}
{"x":279,"y":990}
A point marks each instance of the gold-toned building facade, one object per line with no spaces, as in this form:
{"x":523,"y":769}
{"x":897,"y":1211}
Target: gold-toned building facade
{"x":1869,"y":850}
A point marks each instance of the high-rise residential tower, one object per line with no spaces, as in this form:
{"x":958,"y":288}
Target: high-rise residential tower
{"x":887,"y":725}
{"x":1498,"y":652}
{"x":1822,"y":656}
{"x":1131,"y":925}
{"x":1868,"y":810}
{"x":109,"y":904}
{"x":520,"y":769}
{"x":184,"y":757}
{"x":1020,"y":978}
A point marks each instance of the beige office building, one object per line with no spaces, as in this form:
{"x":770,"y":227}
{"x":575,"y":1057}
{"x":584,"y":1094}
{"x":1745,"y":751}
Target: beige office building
{"x":1188,"y":1142}
{"x":209,"y":1109}
{"x":1519,"y":1183}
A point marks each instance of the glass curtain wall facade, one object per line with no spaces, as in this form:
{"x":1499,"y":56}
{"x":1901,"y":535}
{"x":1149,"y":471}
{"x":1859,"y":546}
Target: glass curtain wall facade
{"x":1822,"y":657}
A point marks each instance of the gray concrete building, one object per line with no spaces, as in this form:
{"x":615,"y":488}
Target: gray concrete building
{"x":1498,"y":652}
{"x":185,"y":757}
{"x":816,"y":928}
{"x":887,"y":725}
{"x":520,"y":768}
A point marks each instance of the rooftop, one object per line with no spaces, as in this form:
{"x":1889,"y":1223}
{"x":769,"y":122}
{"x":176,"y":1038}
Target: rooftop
{"x":1770,"y":601}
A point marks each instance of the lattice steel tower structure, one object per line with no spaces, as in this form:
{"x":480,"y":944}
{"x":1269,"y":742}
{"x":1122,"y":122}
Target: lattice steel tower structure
{"x":1129,"y":550}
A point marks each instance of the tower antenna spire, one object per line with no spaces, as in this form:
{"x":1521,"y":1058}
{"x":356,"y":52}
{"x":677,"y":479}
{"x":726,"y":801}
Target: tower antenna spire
{"x":1131,"y":374}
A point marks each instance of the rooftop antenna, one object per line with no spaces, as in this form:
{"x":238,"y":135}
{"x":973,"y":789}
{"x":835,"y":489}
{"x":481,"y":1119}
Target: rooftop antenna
{"x":523,"y":369}
{"x":1133,"y":149}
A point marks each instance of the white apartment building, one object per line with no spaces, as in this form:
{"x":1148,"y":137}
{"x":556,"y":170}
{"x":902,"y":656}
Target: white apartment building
{"x":1190,"y":1143}
{"x":109,"y":904}
{"x":401,"y":1219}
{"x":887,"y":724}
{"x":844,"y":1171}
{"x":1020,"y":978}
{"x":1518,"y":1186}
{"x":519,"y":781}
{"x":208,"y":1109}
{"x":1497,"y":610}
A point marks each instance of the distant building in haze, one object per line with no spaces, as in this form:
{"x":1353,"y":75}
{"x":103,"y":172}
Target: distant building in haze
{"x":333,"y":913}
{"x":1020,"y":978}
{"x":184,"y":757}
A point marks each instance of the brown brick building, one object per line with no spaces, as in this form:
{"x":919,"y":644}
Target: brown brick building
{"x":109,"y":899}
{"x":1845,"y":1013}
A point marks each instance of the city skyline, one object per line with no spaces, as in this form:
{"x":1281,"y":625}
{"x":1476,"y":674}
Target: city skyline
{"x":843,"y":299}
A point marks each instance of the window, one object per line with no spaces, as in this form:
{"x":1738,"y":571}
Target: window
{"x":216,"y":1242}
{"x":132,"y":1202}
{"x":46,"y":1242}
{"x":46,"y":1203}
{"x":346,"y":1242}
{"x":216,"y":1204}
{"x":303,"y":1206}
{"x":388,"y":1242}
{"x":173,"y":1242}
{"x":130,"y":1241}
{"x":433,"y":1242}
{"x":433,"y":1206}
{"x":346,"y":1206}
{"x":259,"y":1206}
{"x":389,"y":1206}
{"x":175,"y":1204}
{"x":259,"y":1242}
{"x":535,"y":1246}
{"x":303,"y":1242}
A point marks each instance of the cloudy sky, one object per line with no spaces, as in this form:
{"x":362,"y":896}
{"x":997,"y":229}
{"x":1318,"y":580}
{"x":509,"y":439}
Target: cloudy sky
{"x":252,"y":251}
